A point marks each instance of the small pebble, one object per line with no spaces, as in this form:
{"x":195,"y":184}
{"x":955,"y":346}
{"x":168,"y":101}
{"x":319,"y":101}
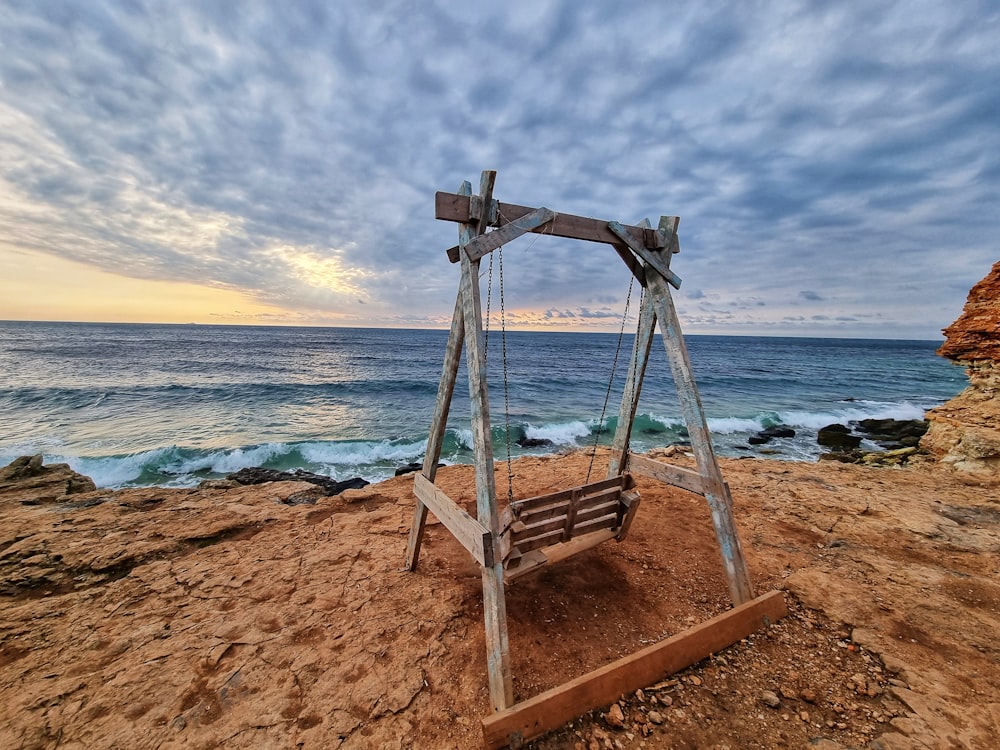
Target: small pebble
{"x":770,"y":699}
{"x":615,"y":717}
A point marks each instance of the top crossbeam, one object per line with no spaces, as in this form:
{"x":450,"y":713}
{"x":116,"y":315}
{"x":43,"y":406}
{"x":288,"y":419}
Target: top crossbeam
{"x":464,"y":208}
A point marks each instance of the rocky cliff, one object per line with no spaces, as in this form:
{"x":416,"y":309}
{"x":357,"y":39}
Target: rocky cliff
{"x":965,"y":432}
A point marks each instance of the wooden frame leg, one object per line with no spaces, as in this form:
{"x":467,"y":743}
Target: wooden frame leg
{"x":716,"y":491}
{"x":633,"y":386}
{"x":494,"y":597}
{"x":446,"y":388}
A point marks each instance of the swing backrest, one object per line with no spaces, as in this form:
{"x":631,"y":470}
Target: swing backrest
{"x":536,"y":523}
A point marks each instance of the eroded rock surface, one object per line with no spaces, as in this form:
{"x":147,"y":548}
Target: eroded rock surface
{"x":965,"y":431}
{"x":226,"y":617}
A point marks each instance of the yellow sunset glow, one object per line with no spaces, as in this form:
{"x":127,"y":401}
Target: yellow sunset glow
{"x":35,"y":286}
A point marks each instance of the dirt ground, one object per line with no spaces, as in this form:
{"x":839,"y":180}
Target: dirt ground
{"x":225,"y":617}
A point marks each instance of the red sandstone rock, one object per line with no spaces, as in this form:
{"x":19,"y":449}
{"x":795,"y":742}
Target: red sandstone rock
{"x":965,"y":431}
{"x":976,"y":333}
{"x":224,"y":617}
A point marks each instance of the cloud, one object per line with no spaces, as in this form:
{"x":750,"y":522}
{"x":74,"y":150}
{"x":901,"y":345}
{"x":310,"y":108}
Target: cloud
{"x":292,"y":151}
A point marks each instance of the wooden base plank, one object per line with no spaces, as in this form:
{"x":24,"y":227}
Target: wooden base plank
{"x":603,"y":686}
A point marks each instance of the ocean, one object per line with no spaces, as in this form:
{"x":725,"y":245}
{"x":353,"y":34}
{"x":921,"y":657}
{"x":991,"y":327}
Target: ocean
{"x":172,"y":405}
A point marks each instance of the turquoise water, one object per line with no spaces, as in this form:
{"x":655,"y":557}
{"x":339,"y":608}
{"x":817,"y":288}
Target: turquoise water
{"x":172,"y":405}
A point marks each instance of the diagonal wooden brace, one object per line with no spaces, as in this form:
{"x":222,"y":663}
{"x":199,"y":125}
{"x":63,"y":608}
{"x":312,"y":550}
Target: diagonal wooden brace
{"x":487,"y":243}
{"x":651,"y":258}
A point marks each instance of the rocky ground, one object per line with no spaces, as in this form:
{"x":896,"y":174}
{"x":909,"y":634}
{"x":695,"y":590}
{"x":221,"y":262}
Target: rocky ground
{"x":224,"y":616}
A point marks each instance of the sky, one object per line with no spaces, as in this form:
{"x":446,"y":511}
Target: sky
{"x":835,"y":165}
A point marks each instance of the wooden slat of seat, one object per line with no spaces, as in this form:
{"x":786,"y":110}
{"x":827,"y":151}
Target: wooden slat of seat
{"x":608,"y":521}
{"x":528,"y":530}
{"x":556,"y":510}
{"x":619,"y":482}
{"x":555,"y":553}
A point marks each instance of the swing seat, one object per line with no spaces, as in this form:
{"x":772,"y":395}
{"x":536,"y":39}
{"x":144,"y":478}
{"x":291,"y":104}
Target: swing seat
{"x":545,"y":529}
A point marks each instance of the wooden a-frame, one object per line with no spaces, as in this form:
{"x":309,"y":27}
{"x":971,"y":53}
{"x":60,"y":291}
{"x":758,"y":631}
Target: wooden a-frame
{"x":575,"y":519}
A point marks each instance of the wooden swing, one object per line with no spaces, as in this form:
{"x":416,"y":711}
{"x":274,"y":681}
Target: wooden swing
{"x":538,"y":531}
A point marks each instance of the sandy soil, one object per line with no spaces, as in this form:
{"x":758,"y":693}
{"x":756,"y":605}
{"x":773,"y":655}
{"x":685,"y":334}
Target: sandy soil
{"x":225,"y":617}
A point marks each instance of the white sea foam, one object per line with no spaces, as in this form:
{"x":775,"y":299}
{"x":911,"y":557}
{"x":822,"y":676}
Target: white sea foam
{"x":730,"y":425}
{"x":361,"y":453}
{"x":115,"y":471}
{"x":565,"y":433}
{"x":463,"y":436}
{"x":856,"y":411}
{"x":228,"y":461}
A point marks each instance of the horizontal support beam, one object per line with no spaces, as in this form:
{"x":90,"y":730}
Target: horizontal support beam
{"x":467,"y":530}
{"x":675,"y":475}
{"x":455,"y":207}
{"x":487,"y":243}
{"x":553,"y":708}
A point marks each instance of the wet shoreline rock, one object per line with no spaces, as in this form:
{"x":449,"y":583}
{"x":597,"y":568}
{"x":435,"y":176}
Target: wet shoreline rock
{"x":769,"y":433}
{"x":260,"y":475}
{"x":838,"y":436}
{"x":899,"y":439}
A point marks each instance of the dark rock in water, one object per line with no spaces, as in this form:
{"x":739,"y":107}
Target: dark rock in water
{"x":527,"y":442}
{"x":769,"y":433}
{"x":779,"y":431}
{"x":838,"y":436}
{"x":894,"y":433}
{"x":411,"y":467}
{"x":259,"y":475}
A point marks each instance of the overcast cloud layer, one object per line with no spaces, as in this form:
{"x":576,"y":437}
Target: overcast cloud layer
{"x":835,"y":164}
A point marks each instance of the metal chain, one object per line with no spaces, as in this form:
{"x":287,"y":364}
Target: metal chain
{"x":611,"y":380}
{"x":489,"y":294}
{"x":506,"y":391}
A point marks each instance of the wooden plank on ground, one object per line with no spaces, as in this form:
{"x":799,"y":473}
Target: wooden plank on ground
{"x":467,"y":530}
{"x":455,"y":207}
{"x":555,"y":707}
{"x":677,"y":476}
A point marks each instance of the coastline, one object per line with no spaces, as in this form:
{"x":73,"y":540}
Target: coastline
{"x":137,"y":406}
{"x":186,"y":617}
